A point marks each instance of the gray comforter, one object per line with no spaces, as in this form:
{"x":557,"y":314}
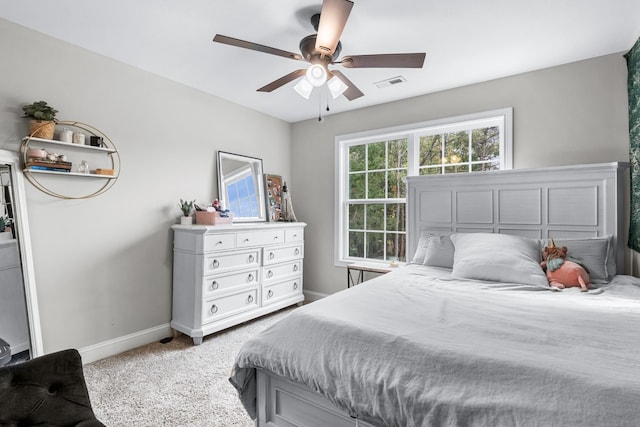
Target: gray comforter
{"x":417,"y":348}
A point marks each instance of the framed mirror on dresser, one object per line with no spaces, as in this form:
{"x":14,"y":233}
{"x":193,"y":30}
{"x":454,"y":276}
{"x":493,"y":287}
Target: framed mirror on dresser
{"x":241,"y":187}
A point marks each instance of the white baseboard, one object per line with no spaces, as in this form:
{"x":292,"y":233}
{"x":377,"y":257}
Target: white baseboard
{"x":313,"y":296}
{"x":124,"y":343}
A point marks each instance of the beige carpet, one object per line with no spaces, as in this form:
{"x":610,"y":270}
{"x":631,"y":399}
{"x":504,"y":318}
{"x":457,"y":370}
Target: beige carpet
{"x":173,"y":384}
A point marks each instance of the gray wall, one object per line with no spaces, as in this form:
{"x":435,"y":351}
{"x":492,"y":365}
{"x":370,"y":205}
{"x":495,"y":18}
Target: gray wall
{"x":103,"y":265}
{"x":571,"y":114}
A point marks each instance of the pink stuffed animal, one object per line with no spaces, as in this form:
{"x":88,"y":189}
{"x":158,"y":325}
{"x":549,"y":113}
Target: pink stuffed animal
{"x":561,"y":272}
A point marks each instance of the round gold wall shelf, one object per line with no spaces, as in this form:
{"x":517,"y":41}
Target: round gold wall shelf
{"x":41,"y":177}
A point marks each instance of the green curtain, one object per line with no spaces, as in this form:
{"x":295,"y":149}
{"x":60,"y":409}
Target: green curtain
{"x":633,"y":65}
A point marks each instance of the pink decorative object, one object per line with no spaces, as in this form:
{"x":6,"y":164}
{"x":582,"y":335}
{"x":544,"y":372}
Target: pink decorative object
{"x":37,"y":153}
{"x":212,"y":218}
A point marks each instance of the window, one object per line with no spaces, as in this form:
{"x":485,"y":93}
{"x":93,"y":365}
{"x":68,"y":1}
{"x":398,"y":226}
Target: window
{"x":371,"y":167}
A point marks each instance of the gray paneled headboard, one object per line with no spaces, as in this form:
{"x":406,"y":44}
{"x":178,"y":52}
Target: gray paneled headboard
{"x":568,"y":201}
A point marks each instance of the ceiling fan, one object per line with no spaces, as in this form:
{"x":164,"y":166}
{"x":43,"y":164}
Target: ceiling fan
{"x":323,"y":49}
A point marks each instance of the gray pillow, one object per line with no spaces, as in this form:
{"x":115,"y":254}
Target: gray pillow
{"x":440,"y":251}
{"x":498,"y":258}
{"x":421,"y":249}
{"x":596,"y":254}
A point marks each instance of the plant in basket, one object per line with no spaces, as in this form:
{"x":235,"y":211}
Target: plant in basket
{"x":42,"y":123}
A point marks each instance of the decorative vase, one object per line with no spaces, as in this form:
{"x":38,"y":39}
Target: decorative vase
{"x":186,"y":220}
{"x":42,"y":128}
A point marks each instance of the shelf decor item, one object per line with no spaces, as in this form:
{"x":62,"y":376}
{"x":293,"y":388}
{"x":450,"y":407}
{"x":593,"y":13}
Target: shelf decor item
{"x":273,"y":190}
{"x":187,"y":208}
{"x":42,"y":122}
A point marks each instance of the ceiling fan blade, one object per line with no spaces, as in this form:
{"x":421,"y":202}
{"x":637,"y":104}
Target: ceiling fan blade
{"x":282,"y":81}
{"x":333,"y":17}
{"x":352,"y":92}
{"x":255,"y":46}
{"x":390,"y":60}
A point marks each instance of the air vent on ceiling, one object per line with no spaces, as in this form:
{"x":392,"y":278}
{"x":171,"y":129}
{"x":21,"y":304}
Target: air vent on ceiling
{"x":390,"y":81}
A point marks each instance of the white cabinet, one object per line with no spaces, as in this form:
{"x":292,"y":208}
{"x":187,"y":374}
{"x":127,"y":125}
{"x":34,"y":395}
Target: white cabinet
{"x":224,"y":275}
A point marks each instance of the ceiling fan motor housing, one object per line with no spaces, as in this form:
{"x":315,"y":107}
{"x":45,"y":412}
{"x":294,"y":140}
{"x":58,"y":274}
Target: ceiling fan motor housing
{"x":309,"y":52}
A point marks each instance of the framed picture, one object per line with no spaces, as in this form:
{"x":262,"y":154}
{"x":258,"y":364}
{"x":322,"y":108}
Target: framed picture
{"x":273,"y":192}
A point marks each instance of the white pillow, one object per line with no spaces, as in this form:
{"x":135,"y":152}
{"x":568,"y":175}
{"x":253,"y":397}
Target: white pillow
{"x":440,"y":252}
{"x":498,"y":258}
{"x":596,"y":254}
{"x":421,"y":249}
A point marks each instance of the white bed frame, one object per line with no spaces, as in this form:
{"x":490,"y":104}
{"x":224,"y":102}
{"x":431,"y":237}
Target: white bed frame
{"x":570,"y":201}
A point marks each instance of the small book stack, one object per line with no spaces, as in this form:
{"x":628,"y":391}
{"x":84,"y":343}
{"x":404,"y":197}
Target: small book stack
{"x":48,"y":165}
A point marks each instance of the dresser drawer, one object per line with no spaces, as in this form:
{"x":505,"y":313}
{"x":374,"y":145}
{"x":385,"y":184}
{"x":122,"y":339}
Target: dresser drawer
{"x":213,"y":285}
{"x":219,"y":242}
{"x":278,"y":254}
{"x":274,"y":293}
{"x":277,"y":272}
{"x":259,"y":238}
{"x":227,"y":261}
{"x":219,"y":308}
{"x":294,"y":235}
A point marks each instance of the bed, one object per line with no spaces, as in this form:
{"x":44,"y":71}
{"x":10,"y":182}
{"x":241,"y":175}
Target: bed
{"x":468,"y":333}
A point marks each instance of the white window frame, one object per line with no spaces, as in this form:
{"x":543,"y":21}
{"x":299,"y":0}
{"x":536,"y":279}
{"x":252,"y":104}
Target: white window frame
{"x":502,"y":118}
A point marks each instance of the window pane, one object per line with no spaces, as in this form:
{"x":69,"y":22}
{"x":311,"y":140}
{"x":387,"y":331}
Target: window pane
{"x":395,"y":183}
{"x":430,"y":150}
{"x":456,"y":169}
{"x":431,"y":171}
{"x":377,"y":155}
{"x":397,"y":156}
{"x":396,"y":244}
{"x":357,"y":186}
{"x":376,"y":185}
{"x":356,"y":217}
{"x":491,"y":166}
{"x":357,"y":158}
{"x":456,"y":147}
{"x":375,"y":245}
{"x":375,"y":217}
{"x":485,"y":144}
{"x":356,"y":244}
{"x":396,"y":218}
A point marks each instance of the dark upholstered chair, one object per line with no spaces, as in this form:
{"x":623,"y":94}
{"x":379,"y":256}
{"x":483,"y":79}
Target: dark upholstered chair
{"x":46,"y":391}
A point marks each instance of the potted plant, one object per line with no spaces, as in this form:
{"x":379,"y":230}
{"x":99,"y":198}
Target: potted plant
{"x":187,"y":208}
{"x":42,"y":123}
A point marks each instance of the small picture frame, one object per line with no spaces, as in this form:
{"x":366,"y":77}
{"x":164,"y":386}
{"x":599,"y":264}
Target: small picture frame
{"x":273,"y":192}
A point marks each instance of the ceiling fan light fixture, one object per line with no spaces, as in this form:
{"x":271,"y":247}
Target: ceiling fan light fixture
{"x":316,"y":75}
{"x":336,"y":87}
{"x":304,"y":88}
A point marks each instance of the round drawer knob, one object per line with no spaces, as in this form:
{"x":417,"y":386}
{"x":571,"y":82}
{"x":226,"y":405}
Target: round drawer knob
{"x":214,"y":285}
{"x":295,"y":267}
{"x":272,"y":255}
{"x":249,"y":299}
{"x":270,"y":293}
{"x":251,"y":258}
{"x":270,"y":273}
{"x":295,"y":286}
{"x":213,"y":309}
{"x":297,"y":251}
{"x":215,"y":264}
{"x":250,"y":278}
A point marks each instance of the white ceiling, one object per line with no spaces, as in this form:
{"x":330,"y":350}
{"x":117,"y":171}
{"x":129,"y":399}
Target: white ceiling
{"x":466,"y":41}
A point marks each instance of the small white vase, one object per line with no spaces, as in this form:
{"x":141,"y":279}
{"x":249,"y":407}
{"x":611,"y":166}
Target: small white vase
{"x":186,"y":220}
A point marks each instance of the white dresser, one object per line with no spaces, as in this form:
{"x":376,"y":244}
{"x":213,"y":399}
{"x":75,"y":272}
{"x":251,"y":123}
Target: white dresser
{"x":227,"y":274}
